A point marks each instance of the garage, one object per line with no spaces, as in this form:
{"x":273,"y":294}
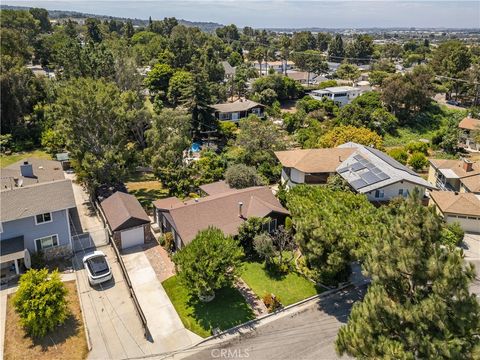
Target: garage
{"x":132,"y":237}
{"x":463,"y":208}
{"x":128,"y":223}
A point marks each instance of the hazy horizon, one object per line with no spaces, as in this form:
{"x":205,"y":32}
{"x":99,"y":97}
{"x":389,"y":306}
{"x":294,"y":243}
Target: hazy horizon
{"x":285,"y":13}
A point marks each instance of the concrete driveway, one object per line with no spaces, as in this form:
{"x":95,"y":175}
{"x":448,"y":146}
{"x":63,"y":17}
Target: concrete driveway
{"x":164,"y":324}
{"x":471,"y":248}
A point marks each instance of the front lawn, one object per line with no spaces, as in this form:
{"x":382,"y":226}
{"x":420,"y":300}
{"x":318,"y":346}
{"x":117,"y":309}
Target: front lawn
{"x":66,"y":342}
{"x":290,"y":288}
{"x":6,"y":160}
{"x":228,"y":309}
{"x":146,"y":189}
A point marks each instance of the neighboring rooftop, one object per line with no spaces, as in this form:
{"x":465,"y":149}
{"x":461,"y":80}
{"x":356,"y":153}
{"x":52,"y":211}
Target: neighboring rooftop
{"x":239,"y":105}
{"x":12,"y":249}
{"x":369,"y":169}
{"x":461,"y":168}
{"x":30,"y":171}
{"x":218,"y":187}
{"x":123,"y":211}
{"x":221,"y":210}
{"x":31,"y":200}
{"x":469,"y":123}
{"x":335,"y":90}
{"x":472,"y":183}
{"x":229,"y":69}
{"x":314,"y":160}
{"x":456,"y":203}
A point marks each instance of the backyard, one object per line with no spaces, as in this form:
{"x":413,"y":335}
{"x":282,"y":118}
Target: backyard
{"x":67,"y":342}
{"x":289,"y":288}
{"x":228,"y":309}
{"x":6,"y":160}
{"x":146,"y":189}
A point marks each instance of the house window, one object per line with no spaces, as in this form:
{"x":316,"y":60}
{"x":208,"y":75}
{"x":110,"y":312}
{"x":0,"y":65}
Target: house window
{"x":46,"y":242}
{"x":43,"y":218}
{"x":400,"y":192}
{"x":379,"y":194}
{"x":271,"y":226}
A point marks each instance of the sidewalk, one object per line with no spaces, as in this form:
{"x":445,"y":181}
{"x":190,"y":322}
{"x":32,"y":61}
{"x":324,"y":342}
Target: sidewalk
{"x":164,"y":324}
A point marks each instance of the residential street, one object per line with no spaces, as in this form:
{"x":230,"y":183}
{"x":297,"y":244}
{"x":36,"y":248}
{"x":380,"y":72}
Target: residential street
{"x":308,"y":332}
{"x":472,"y":255}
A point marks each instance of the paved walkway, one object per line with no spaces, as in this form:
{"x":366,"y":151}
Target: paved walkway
{"x":164,"y":324}
{"x":471,"y":248}
{"x":160,"y":261}
{"x":257,"y":305}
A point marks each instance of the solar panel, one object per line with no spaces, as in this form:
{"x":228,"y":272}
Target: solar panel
{"x":370,"y":166}
{"x":358,"y":157}
{"x":383,"y":176}
{"x":390,"y":161}
{"x":370,"y":178}
{"x":342,"y":170}
{"x":357,"y":166}
{"x":376,"y":170}
{"x":358,"y":184}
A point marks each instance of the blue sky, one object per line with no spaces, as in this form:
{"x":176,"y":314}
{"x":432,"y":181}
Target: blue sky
{"x":286,"y":13}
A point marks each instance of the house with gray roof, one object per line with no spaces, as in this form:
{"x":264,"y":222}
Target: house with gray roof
{"x":237,"y":110}
{"x":36,"y":202}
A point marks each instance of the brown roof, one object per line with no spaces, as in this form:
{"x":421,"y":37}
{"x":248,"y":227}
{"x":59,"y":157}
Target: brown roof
{"x":456,"y":203}
{"x":167,"y":203}
{"x":216,"y":188}
{"x":456,"y":166}
{"x":239,"y":105}
{"x":43,"y":170}
{"x":472,"y":183}
{"x":469,"y":123}
{"x":123,"y":211}
{"x":314,"y":160}
{"x":222,"y":211}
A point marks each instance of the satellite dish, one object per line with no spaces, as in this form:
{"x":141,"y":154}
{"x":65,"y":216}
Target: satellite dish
{"x":27,"y":260}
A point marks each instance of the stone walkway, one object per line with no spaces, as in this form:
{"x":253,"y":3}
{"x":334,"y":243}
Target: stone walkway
{"x":257,"y":305}
{"x":162,"y":265}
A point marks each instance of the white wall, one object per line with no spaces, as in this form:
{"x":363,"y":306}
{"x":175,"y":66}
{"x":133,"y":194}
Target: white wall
{"x":296,"y":176}
{"x":392,"y":190}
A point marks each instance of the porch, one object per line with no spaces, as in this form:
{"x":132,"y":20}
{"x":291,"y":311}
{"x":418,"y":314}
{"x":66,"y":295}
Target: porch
{"x":14,"y":258}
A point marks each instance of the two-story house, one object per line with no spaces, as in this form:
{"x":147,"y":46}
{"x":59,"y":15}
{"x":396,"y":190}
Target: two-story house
{"x":455,"y":175}
{"x":35,"y":201}
{"x":468,"y":126}
{"x":237,"y":110}
{"x":342,"y":95}
{"x":367,"y":170}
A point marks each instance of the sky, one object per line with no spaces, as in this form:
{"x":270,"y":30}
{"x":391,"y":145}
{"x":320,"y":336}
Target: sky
{"x":285,"y":13}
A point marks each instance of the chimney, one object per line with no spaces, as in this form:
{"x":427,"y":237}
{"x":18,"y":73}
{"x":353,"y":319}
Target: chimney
{"x":240,"y":206}
{"x":467,"y":165}
{"x":26,"y":169}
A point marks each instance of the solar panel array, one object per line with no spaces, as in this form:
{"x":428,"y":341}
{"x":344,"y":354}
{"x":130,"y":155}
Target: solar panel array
{"x":368,"y":173}
{"x":390,"y":161}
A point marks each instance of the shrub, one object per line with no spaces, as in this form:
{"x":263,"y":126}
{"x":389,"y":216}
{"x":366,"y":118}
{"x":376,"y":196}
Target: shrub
{"x":399,"y":154}
{"x":452,"y":235}
{"x":168,"y":241}
{"x":271,"y":302}
{"x":38,"y":260}
{"x":418,"y":161}
{"x":417,"y":147}
{"x":248,"y":230}
{"x":241,"y":176}
{"x":263,"y":245}
{"x":41,"y":301}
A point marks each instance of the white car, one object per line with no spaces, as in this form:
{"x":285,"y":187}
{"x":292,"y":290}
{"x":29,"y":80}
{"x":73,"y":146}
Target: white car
{"x":98,"y":269}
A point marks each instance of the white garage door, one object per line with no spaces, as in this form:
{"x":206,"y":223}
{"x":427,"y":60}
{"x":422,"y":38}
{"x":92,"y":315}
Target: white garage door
{"x":468,"y":224}
{"x":132,"y":237}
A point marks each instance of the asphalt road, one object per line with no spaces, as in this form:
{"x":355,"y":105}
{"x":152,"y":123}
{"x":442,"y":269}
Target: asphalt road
{"x":306,"y":334}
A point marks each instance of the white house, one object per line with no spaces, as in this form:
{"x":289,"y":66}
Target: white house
{"x":342,"y":95}
{"x":367,"y":170}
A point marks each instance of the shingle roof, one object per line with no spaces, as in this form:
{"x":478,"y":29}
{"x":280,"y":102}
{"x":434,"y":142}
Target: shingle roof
{"x":43,"y":170}
{"x":216,"y":188}
{"x":456,"y":166}
{"x":36,"y":199}
{"x":222,"y":211}
{"x":472,"y":183}
{"x":229,"y":69}
{"x":314,"y":160}
{"x":393,"y":170}
{"x":239,"y":105}
{"x":12,"y":249}
{"x":469,"y":123}
{"x":456,"y":203}
{"x":123,"y":211}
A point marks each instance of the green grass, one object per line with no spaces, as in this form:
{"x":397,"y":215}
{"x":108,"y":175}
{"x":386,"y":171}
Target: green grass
{"x":6,"y":160}
{"x":290,"y":288}
{"x":228,"y":309}
{"x":146,"y":189}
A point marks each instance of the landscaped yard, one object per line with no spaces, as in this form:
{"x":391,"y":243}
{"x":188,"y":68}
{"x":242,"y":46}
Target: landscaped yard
{"x":228,"y":309}
{"x":289,"y":289}
{"x":6,"y":160}
{"x":146,"y":189}
{"x":67,"y":342}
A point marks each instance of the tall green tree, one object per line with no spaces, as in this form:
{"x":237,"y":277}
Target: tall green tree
{"x":336,"y":49}
{"x":211,"y":261}
{"x":419,"y":305}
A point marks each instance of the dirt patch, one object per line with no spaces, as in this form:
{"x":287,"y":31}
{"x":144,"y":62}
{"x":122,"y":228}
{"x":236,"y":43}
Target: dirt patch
{"x":66,"y":342}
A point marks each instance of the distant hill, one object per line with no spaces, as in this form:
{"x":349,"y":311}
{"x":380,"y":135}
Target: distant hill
{"x":63,"y":14}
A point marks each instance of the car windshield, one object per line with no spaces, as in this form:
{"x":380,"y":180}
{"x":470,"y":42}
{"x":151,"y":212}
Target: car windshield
{"x":97,"y":265}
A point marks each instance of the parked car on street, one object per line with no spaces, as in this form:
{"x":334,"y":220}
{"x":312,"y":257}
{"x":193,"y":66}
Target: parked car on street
{"x":98,"y":269}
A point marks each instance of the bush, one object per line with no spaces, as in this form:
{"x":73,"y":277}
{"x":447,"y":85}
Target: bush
{"x":168,"y":241}
{"x":38,"y":260}
{"x":41,"y":301}
{"x":452,"y":235}
{"x":399,"y":154}
{"x":417,"y":147}
{"x":271,"y":302}
{"x":248,"y":231}
{"x":264,"y":247}
{"x":241,"y":176}
{"x":418,"y":161}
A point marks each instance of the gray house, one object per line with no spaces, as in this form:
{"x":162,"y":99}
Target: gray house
{"x":35,"y":204}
